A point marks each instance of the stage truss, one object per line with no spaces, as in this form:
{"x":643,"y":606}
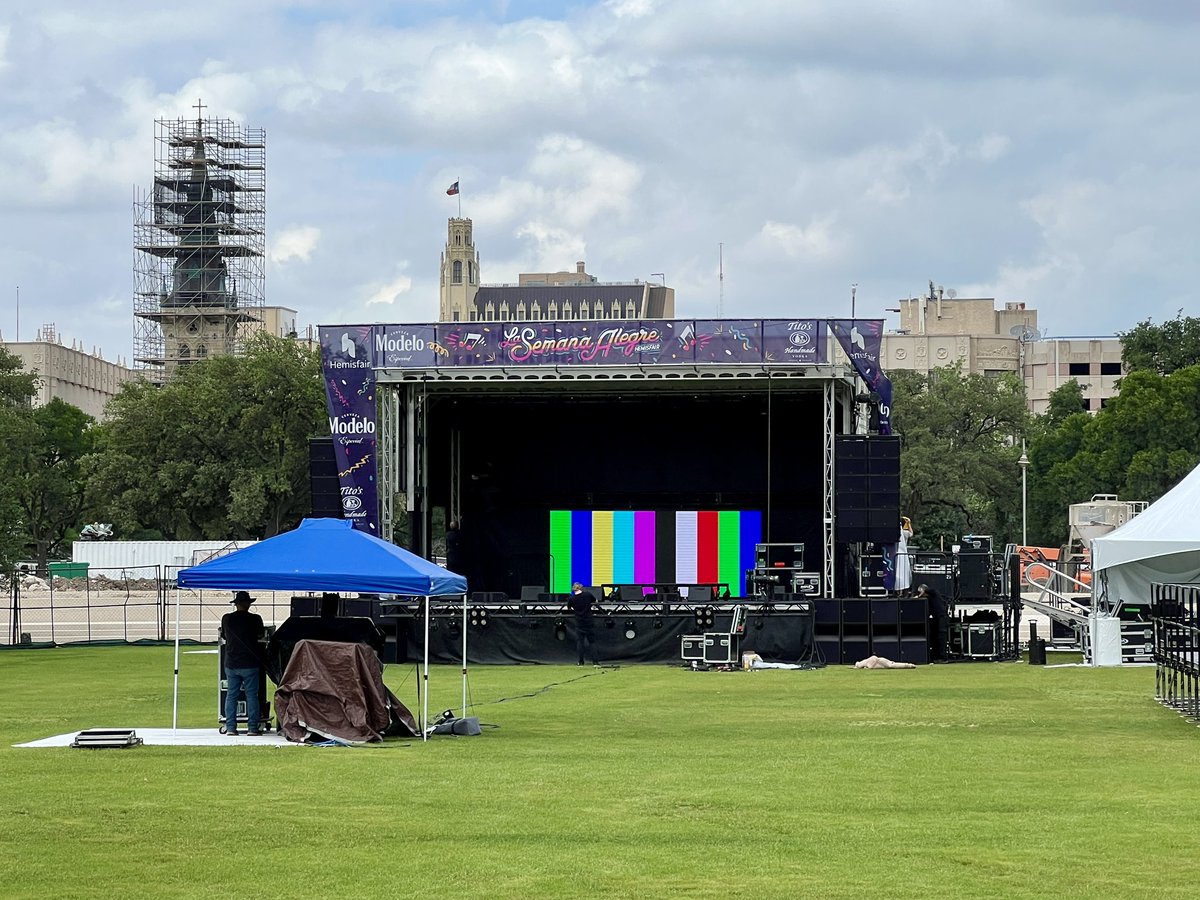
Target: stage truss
{"x":404,"y":396}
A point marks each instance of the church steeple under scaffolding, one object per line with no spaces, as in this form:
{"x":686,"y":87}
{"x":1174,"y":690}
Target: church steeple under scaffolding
{"x":200,"y":236}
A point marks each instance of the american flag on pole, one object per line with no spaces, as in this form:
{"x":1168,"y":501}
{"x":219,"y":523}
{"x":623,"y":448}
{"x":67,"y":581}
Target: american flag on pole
{"x":453,"y":189}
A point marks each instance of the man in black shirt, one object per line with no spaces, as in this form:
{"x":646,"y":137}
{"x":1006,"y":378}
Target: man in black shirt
{"x":243,"y":631}
{"x":581,"y":605}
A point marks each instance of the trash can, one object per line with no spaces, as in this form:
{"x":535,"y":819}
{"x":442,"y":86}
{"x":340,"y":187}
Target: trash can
{"x":1037,"y":651}
{"x":68,"y":569}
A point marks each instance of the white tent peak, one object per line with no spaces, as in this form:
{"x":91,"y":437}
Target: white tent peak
{"x":1169,"y":525}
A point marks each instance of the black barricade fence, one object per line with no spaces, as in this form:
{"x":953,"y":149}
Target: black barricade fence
{"x":1175,"y":613}
{"x":92,"y":605}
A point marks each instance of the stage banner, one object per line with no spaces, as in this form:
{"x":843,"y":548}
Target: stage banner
{"x":729,"y":341}
{"x":795,"y":341}
{"x":861,"y":340}
{"x":469,"y":344}
{"x":347,"y":364}
{"x":578,"y":343}
{"x":406,"y":347}
{"x":672,"y":342}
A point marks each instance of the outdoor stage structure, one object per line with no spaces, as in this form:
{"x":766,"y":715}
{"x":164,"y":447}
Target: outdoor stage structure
{"x":650,"y":459}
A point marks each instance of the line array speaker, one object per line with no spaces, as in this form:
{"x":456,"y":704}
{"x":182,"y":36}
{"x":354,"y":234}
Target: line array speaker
{"x":323,"y":479}
{"x":867,"y":488}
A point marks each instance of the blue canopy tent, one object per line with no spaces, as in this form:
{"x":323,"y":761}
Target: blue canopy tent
{"x":328,"y":555}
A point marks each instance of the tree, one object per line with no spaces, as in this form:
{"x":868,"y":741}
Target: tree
{"x":1138,"y":447}
{"x":1164,"y":348}
{"x":17,"y":390}
{"x":52,"y":487}
{"x":960,"y":441}
{"x":219,"y":451}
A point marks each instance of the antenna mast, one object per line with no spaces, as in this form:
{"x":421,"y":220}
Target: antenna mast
{"x":721,"y":279}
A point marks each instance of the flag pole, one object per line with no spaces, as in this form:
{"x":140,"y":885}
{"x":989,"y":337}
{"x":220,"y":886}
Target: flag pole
{"x":459,"y":194}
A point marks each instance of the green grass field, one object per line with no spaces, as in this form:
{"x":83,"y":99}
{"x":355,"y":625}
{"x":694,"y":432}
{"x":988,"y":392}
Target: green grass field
{"x":980,"y":780}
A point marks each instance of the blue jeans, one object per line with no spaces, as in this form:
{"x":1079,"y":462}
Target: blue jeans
{"x":235,"y":681}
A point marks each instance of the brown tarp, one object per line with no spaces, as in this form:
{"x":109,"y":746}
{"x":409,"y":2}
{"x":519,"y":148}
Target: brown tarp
{"x":333,"y":690}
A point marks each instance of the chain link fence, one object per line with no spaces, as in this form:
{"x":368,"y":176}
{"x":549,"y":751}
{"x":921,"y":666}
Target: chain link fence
{"x":126,"y":605}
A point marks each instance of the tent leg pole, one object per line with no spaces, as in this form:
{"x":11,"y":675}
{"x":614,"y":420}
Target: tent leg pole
{"x":464,"y":657}
{"x":425,"y":708}
{"x":175,"y":691}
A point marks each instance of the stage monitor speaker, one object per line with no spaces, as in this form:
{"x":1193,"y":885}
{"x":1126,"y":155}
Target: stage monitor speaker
{"x":323,"y":482}
{"x":975,"y":576}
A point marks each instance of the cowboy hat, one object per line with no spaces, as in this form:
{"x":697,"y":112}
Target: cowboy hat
{"x":242,"y":597}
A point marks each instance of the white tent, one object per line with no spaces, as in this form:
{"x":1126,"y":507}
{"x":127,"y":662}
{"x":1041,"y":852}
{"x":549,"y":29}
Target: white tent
{"x":1161,"y":544}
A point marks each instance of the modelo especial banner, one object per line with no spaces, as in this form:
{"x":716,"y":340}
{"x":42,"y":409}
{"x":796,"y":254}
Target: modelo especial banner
{"x":347,"y":363}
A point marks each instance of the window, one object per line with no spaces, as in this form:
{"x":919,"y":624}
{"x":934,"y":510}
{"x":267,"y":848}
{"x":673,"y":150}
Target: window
{"x":535,"y":311}
{"x":616,"y":309}
{"x":1110,"y":368}
{"x":455,"y":316}
{"x":471,"y":272}
{"x":1079,"y":369}
{"x":472,"y":315}
{"x":201,"y":351}
{"x":566,"y":310}
{"x":504,"y":312}
{"x":185,"y":351}
{"x":630,"y":310}
{"x":552,"y":310}
{"x":457,"y":276}
{"x":521,"y":310}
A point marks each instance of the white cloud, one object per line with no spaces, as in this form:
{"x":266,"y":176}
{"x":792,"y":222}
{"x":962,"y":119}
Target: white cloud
{"x":1042,"y":150}
{"x":296,"y":243}
{"x":389,"y":293}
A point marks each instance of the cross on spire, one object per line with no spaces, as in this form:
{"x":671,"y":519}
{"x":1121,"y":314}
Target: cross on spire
{"x":199,"y":107}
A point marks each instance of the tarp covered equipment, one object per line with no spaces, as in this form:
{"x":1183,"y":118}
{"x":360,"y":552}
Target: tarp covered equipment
{"x":335,"y":691}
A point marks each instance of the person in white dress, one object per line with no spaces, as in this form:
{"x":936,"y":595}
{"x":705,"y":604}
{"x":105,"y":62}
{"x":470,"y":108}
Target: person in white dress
{"x":903,"y":561}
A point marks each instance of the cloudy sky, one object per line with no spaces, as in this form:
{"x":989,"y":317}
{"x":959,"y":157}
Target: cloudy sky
{"x":1034,"y":150}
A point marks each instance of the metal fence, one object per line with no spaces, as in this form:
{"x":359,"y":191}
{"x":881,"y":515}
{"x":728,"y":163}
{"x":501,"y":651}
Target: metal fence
{"x":126,"y":605}
{"x":1176,"y":617}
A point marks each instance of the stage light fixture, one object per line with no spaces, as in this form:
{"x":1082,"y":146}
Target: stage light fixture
{"x":705,"y":617}
{"x":610,"y":623}
{"x":630,"y":630}
{"x":477,"y":617}
{"x":658,"y":622}
{"x":560,"y":630}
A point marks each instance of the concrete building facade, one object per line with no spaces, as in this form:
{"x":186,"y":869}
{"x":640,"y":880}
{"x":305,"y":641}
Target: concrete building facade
{"x":71,"y":374}
{"x":938,"y":331}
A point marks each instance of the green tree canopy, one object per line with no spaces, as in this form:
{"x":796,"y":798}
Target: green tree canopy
{"x":17,"y":390}
{"x":219,"y":451}
{"x":51,"y":495}
{"x":960,"y":441}
{"x":1164,"y":348}
{"x":1139,"y":446}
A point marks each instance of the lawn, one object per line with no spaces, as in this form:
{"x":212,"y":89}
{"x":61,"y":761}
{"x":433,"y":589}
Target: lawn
{"x":974,"y":780}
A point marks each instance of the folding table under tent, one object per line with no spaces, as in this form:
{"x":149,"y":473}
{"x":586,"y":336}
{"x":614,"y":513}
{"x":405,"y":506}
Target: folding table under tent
{"x":328,"y":555}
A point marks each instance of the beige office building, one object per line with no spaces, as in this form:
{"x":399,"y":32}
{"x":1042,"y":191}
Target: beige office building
{"x":73,"y":375}
{"x":938,"y":331}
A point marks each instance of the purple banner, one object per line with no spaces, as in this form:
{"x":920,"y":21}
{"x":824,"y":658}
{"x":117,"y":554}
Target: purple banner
{"x":861,"y":340}
{"x":799,"y":341}
{"x":406,"y":347}
{"x":347,"y":361}
{"x":579,"y":343}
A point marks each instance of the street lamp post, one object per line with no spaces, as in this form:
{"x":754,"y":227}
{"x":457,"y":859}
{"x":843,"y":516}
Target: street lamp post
{"x":1023,"y":462}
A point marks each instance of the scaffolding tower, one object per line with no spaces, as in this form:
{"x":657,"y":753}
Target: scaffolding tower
{"x":199,"y":241}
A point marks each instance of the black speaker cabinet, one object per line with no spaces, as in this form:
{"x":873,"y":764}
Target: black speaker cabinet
{"x":323,"y":481}
{"x":974,"y":576}
{"x":867,"y":488}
